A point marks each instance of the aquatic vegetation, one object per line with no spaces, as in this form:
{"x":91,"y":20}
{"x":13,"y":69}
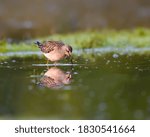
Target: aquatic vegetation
{"x":90,"y":39}
{"x":122,"y":41}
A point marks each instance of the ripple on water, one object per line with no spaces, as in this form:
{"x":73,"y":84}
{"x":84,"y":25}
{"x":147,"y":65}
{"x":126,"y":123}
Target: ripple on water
{"x":13,"y":61}
{"x":51,"y":65}
{"x":5,"y":62}
{"x":115,"y":56}
{"x":75,"y":73}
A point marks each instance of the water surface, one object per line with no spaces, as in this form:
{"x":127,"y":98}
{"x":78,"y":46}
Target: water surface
{"x":104,"y":87}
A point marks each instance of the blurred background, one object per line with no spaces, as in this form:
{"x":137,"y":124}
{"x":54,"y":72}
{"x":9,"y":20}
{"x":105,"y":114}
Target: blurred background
{"x":25,"y":19}
{"x":111,"y":71}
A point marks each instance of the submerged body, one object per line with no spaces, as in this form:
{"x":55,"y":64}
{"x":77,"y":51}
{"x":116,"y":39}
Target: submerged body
{"x":55,"y":50}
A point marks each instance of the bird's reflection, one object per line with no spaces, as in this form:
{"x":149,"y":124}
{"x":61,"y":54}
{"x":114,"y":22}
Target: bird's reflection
{"x":55,"y":78}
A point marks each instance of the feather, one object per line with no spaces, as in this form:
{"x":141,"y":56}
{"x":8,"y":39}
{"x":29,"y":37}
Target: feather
{"x":49,"y":46}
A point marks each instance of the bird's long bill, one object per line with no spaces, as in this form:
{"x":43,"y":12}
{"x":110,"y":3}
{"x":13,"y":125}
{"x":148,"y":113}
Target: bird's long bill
{"x":68,"y":54}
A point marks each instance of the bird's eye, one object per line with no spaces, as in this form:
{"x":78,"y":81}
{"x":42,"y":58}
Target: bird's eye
{"x":68,"y":51}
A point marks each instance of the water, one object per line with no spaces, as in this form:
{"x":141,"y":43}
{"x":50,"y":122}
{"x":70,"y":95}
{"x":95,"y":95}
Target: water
{"x":105,"y":87}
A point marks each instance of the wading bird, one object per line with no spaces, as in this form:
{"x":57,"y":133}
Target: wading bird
{"x":55,"y":50}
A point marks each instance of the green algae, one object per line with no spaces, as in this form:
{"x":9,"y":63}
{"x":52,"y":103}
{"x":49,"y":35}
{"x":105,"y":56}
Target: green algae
{"x":121,"y":39}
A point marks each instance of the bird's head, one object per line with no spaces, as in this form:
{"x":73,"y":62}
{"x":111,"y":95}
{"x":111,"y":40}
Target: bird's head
{"x":68,"y":50}
{"x":68,"y":77}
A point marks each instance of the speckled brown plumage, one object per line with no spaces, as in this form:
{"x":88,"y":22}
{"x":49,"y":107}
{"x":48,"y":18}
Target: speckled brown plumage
{"x":49,"y":46}
{"x":55,"y":50}
{"x":55,"y":78}
{"x":47,"y":82}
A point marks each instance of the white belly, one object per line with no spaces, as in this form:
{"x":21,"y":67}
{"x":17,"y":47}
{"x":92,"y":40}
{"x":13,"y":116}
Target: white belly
{"x":54,"y":56}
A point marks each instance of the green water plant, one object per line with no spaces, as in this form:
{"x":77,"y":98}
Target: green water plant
{"x":122,"y":39}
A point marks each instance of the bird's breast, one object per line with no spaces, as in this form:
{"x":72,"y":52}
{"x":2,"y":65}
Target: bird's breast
{"x":54,"y":56}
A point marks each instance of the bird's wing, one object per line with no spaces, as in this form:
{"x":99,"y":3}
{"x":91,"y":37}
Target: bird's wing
{"x":49,"y":46}
{"x":47,"y":82}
